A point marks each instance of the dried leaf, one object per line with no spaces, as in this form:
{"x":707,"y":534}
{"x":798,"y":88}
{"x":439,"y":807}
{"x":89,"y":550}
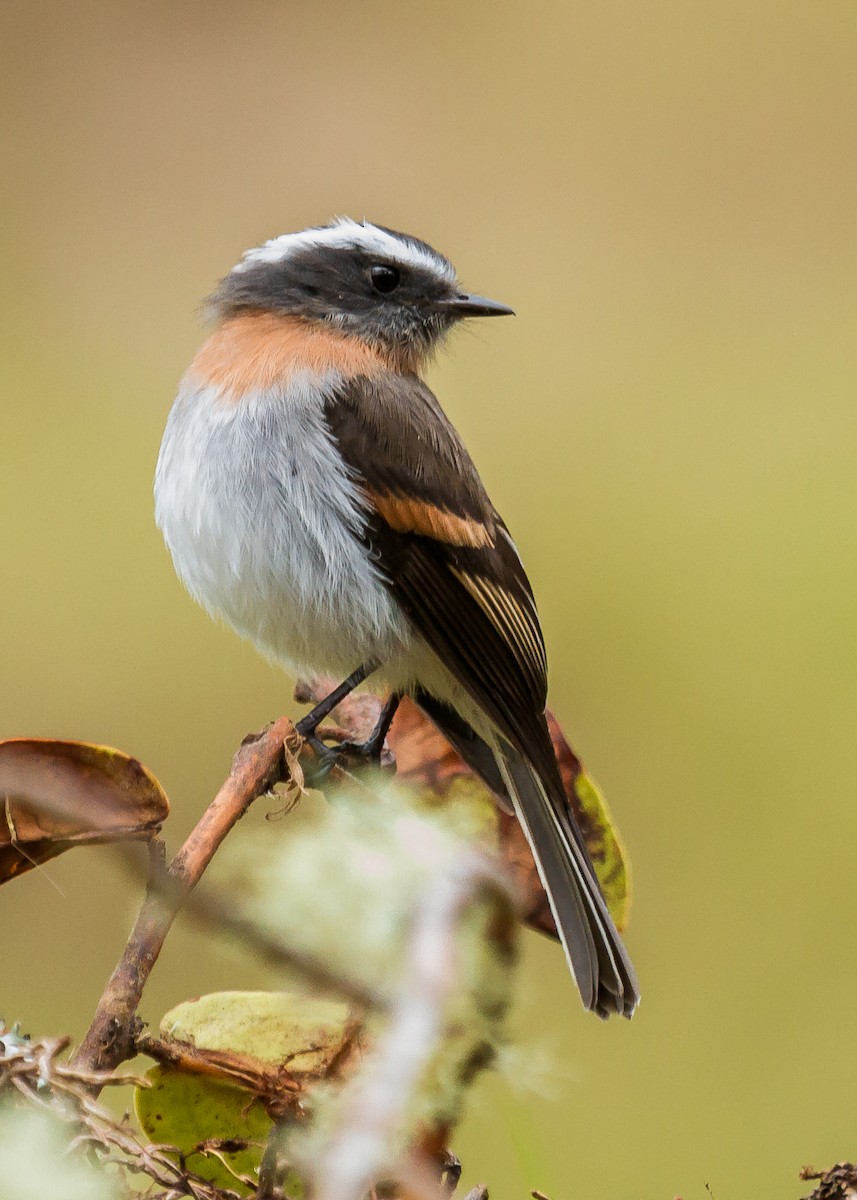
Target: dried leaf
{"x":55,"y":795}
{"x":425,"y":759}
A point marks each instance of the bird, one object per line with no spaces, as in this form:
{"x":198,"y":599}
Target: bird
{"x":315,"y":497}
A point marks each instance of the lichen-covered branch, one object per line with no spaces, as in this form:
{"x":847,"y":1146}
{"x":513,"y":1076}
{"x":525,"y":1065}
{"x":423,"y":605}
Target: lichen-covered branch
{"x":373,"y":1135}
{"x":379,"y":1095}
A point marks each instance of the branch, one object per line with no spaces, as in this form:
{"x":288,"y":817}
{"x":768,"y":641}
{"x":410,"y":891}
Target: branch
{"x":217,"y":911}
{"x":260,"y":762}
{"x":839,"y":1183}
{"x":357,"y":1153}
{"x":364,"y":1143}
{"x":32,"y":1071}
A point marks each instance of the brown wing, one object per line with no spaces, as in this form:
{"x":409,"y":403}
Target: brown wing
{"x":443,"y":550}
{"x":446,"y":556}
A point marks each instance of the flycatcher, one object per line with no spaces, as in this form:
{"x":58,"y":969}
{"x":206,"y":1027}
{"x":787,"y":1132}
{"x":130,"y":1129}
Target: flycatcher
{"x":314,"y":495}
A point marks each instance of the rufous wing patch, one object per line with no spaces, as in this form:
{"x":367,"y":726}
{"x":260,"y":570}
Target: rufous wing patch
{"x":253,"y":351}
{"x":404,"y":514}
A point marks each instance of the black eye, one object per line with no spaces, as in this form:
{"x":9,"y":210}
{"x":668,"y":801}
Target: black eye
{"x":384,"y":279}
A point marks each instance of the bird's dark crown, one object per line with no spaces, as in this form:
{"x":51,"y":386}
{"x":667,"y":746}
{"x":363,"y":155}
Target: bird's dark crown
{"x":388,"y":288}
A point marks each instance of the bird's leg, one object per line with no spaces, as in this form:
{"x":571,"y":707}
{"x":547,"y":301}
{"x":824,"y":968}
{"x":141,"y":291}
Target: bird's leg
{"x":374,"y":744}
{"x":308,"y":725}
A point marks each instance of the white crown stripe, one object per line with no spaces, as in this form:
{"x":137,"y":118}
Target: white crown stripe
{"x":346,"y":234}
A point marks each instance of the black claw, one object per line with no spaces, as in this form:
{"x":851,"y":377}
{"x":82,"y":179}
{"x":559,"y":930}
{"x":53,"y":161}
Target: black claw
{"x":370,"y":750}
{"x":327,"y":756}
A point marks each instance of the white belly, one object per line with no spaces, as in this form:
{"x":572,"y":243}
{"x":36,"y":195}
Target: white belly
{"x":263,"y":525}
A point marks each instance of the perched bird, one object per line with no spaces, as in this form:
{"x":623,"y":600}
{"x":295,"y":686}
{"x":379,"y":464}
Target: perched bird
{"x":314,"y":496}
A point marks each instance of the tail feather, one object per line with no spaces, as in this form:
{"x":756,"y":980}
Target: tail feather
{"x":597,"y":959}
{"x":595,"y":953}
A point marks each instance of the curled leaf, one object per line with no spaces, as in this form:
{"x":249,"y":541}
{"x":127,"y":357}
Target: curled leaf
{"x":55,"y":795}
{"x":253,"y":1037}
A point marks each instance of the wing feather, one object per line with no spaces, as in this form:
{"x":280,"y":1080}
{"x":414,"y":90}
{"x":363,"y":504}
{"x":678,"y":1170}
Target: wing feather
{"x":443,"y":549}
{"x":448,"y":559}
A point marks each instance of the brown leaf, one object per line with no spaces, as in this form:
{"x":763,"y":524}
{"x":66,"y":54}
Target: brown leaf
{"x":425,"y":759}
{"x":54,"y":795}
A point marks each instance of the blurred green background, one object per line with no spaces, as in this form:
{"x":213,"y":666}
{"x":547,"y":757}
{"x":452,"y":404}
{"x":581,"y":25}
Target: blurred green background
{"x":666,"y":194}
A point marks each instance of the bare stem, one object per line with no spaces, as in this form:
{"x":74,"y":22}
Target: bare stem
{"x":259,"y":763}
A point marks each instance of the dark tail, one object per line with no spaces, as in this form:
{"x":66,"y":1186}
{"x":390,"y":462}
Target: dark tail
{"x":593,"y":948}
{"x":596,"y":956}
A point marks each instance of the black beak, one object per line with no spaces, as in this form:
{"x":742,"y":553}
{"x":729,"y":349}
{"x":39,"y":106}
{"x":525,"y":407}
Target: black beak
{"x":465,"y":305}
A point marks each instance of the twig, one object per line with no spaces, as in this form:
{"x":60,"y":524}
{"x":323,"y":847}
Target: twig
{"x":217,"y":911}
{"x":274,"y":1085}
{"x":280,"y":1086}
{"x":33,"y":1071}
{"x":357,"y":1151}
{"x":270,"y":1169}
{"x":258,"y":764}
{"x":839,"y":1183}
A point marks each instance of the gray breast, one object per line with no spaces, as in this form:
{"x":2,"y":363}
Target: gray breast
{"x":263,"y":523}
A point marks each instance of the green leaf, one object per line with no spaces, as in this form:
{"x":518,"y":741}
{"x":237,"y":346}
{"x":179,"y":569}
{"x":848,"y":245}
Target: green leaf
{"x":237,"y":1055}
{"x":270,"y":1029}
{"x":184,"y":1110}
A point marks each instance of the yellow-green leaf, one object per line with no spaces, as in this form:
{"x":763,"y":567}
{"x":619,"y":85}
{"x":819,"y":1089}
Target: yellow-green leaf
{"x":238,"y":1056}
{"x":185,"y":1110}
{"x":273,"y":1029}
{"x":605,"y":848}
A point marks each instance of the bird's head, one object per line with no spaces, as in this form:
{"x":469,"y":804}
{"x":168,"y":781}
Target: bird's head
{"x":390,"y":289}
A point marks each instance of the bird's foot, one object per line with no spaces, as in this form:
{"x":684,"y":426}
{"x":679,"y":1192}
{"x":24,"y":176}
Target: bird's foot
{"x":344,"y":754}
{"x":326,"y":757}
{"x":372,"y":748}
{"x":369,"y":751}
